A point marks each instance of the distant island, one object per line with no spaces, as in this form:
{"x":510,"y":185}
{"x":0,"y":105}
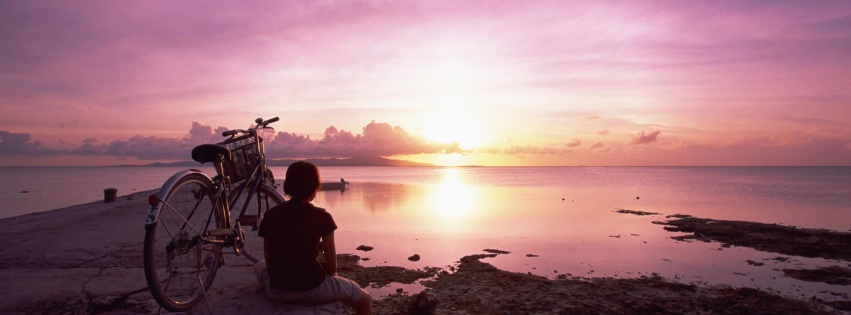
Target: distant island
{"x":353,"y":161}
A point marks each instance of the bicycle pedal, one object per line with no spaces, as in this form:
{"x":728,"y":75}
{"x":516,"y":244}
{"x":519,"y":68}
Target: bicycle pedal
{"x":248,"y":220}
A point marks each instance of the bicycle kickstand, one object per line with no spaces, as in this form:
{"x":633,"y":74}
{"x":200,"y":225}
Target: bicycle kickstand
{"x":206,"y":300}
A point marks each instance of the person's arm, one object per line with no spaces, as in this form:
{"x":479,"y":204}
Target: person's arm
{"x":266,"y":250}
{"x":330,"y":254}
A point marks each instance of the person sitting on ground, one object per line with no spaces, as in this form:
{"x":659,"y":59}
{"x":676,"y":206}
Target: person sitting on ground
{"x":291,"y":234}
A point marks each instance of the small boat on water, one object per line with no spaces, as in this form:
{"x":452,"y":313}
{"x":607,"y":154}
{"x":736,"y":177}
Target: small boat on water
{"x":341,"y":185}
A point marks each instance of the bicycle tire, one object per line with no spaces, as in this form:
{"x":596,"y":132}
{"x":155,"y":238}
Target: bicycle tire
{"x":176,"y":260}
{"x":266,"y":198}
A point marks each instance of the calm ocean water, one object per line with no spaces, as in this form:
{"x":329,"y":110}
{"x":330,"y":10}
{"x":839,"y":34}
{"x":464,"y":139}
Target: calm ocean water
{"x":563,"y":216}
{"x":804,"y":196}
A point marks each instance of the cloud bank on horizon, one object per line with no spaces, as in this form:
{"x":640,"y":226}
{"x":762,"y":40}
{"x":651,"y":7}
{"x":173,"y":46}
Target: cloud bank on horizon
{"x":538,"y":82}
{"x":383,"y":140}
{"x":376,"y":140}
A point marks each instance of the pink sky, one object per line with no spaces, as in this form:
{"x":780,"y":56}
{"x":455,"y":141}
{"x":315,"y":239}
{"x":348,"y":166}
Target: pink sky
{"x":446,"y":82}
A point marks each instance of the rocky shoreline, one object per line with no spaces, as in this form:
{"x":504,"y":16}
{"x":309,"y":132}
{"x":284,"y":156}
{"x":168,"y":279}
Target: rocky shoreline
{"x":781,"y":239}
{"x":479,"y":288}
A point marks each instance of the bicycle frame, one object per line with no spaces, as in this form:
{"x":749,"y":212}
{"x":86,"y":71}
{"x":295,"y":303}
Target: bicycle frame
{"x":255,"y":180}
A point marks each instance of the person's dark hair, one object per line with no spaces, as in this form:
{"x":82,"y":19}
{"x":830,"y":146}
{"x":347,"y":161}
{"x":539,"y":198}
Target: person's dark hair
{"x":302,"y":181}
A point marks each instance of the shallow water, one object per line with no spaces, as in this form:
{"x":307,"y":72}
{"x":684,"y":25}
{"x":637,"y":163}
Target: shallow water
{"x":571,"y":227}
{"x":563,"y":216}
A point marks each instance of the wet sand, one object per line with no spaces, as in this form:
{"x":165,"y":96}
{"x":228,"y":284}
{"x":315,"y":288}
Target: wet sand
{"x":86,"y":259}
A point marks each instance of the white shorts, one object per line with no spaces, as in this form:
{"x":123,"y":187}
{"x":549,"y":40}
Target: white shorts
{"x":334,"y":288}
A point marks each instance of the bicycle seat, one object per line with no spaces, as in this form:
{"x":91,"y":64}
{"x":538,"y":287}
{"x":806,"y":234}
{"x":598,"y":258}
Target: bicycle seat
{"x":210,"y":153}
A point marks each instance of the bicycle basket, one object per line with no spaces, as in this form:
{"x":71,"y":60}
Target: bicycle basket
{"x":244,"y":158}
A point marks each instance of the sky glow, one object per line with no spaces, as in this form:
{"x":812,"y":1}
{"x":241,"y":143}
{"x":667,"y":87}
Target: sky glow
{"x":444,"y":82}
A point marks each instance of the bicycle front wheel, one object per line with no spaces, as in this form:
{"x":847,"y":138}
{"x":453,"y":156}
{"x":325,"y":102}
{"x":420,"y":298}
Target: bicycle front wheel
{"x":265,"y":199}
{"x":179,"y":264}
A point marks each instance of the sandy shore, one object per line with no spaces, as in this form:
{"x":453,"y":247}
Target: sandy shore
{"x":86,"y":259}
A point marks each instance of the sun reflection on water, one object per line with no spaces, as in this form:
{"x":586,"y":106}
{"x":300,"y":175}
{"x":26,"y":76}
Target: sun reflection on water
{"x":453,"y":199}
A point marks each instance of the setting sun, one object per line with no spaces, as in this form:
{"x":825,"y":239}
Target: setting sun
{"x":449,"y":127}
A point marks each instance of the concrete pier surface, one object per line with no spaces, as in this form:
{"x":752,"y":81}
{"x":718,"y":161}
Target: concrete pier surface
{"x":87,"y":259}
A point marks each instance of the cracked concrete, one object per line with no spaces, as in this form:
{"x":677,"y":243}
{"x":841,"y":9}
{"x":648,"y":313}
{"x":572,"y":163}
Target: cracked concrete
{"x":75,"y":260}
{"x":84,"y":259}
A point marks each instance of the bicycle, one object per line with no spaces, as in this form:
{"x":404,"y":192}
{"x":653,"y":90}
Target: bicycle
{"x":190,"y":222}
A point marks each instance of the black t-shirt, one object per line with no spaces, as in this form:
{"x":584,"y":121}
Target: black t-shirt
{"x":293,"y":231}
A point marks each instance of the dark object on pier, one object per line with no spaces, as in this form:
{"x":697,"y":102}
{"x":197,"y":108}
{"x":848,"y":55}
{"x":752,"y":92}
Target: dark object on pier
{"x":109,"y":194}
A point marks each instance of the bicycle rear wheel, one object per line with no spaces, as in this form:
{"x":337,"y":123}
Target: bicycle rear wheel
{"x":265,"y":199}
{"x":177,"y":259}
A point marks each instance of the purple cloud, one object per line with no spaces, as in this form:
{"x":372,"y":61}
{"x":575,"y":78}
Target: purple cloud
{"x":645,"y":138}
{"x":139,"y":147}
{"x":575,"y":142}
{"x":21,"y":144}
{"x":377,"y":139}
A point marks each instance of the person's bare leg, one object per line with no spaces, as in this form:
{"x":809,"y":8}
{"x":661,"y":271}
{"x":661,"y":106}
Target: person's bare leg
{"x":362,"y":306}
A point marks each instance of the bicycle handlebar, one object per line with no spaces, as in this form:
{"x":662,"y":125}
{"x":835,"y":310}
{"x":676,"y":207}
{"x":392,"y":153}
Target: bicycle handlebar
{"x":260,"y":124}
{"x":271,"y":120}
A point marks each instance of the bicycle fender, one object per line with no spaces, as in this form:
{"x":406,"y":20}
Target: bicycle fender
{"x":154,"y":213}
